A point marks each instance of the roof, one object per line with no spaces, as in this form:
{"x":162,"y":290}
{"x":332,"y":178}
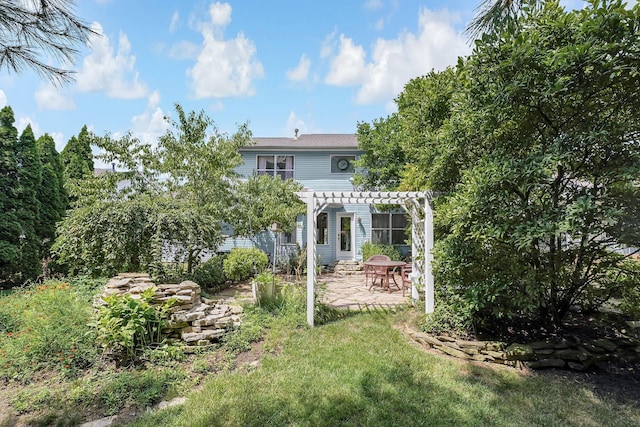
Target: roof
{"x":317,"y":141}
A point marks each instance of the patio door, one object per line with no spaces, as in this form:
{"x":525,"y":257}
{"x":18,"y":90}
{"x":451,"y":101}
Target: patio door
{"x":346,"y":236}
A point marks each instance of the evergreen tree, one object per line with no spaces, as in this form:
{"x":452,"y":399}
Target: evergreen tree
{"x":51,"y":193}
{"x":9,"y":225}
{"x":29,"y":179}
{"x":77,"y":157}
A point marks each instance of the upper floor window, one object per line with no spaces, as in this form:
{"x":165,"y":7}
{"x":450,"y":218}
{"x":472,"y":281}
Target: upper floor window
{"x":342,"y":164}
{"x":389,"y":228}
{"x":276,"y":166}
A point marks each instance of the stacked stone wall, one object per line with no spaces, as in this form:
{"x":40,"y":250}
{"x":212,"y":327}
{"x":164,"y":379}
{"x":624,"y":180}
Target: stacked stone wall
{"x":195,"y":320}
{"x":576,"y":355}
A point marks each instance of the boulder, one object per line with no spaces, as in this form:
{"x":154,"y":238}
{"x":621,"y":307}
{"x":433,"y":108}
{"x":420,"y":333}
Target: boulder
{"x":518,"y":351}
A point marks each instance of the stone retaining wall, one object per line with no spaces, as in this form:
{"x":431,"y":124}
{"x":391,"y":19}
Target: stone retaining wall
{"x":195,"y":320}
{"x":540,"y":354}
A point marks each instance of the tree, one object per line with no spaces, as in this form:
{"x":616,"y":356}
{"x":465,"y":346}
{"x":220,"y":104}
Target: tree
{"x":495,"y":15}
{"x":176,"y":196}
{"x":33,"y":32}
{"x":262,"y":200}
{"x":51,"y":193}
{"x":28,"y":183}
{"x":9,"y":224}
{"x":77,"y":157}
{"x":532,"y":223}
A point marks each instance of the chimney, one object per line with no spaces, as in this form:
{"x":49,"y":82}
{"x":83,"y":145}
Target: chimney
{"x":295,"y":134}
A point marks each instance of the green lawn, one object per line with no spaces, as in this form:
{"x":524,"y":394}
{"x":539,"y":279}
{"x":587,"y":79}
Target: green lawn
{"x":361,"y":370}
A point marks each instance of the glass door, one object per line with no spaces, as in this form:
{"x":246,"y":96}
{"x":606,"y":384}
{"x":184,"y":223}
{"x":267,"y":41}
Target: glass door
{"x":344,"y":249}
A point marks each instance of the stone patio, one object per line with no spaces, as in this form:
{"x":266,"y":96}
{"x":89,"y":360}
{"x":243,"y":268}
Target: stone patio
{"x":346,"y":291}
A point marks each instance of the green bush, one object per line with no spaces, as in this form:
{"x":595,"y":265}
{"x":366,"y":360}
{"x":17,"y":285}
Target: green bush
{"x":126,"y":326}
{"x":210,"y":273}
{"x":45,"y":327}
{"x":369,"y":249}
{"x":241,"y":263}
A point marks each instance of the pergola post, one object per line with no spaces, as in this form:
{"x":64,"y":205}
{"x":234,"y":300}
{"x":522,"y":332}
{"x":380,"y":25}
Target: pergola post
{"x":311,"y":256}
{"x":428,"y":257}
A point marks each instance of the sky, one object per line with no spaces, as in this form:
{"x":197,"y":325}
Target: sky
{"x":278,"y":65}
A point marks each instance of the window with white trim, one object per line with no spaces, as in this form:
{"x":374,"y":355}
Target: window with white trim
{"x":389,"y":228}
{"x":281,"y":166}
{"x":322,"y":229}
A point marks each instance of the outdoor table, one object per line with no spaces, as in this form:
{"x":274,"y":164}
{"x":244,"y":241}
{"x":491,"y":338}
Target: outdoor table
{"x":387,"y":266}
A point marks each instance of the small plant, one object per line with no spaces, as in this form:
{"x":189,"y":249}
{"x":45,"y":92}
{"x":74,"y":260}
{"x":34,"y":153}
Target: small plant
{"x":243,"y":263}
{"x":369,"y":249}
{"x":126,"y":325}
{"x":210,"y":273}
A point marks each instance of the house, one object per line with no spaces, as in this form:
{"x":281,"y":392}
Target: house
{"x":321,"y":162}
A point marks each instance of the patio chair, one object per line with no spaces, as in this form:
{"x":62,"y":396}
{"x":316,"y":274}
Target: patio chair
{"x":373,"y":272}
{"x":405,"y":272}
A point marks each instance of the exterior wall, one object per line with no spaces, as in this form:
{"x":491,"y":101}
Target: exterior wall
{"x":312,"y":169}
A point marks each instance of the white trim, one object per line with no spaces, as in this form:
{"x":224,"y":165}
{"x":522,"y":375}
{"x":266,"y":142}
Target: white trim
{"x":343,"y":255}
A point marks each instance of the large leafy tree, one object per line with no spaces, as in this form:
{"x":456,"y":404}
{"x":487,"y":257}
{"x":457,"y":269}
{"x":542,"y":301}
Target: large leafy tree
{"x":171,"y":200}
{"x":262,"y":200}
{"x":553,"y":187}
{"x":32,"y":32}
{"x":10,"y":229}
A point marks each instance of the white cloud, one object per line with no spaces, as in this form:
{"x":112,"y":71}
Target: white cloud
{"x":373,"y":4}
{"x":154,"y":99}
{"x":3,"y":99}
{"x":328,"y":44}
{"x":175,"y":19}
{"x":301,"y":72}
{"x":22,"y":123}
{"x":150,"y":125}
{"x":184,"y":50}
{"x":379,"y":25}
{"x":348,"y":66}
{"x":49,"y":97}
{"x":394,"y":62}
{"x":58,"y":138}
{"x":102,"y":70}
{"x":224,"y":68}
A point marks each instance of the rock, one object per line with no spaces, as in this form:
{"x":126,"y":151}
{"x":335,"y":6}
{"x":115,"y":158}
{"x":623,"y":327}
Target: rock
{"x":470,"y":344}
{"x":546,"y":363}
{"x":592,"y":348}
{"x":188,"y":284}
{"x":121,"y":283}
{"x":190,"y":337}
{"x":173,"y":402}
{"x":213,"y":333}
{"x":483,"y":358}
{"x":236,"y":309}
{"x":603,"y":343}
{"x":453,"y":352}
{"x":445,"y":338}
{"x":577,"y":366}
{"x":102,"y":422}
{"x":544,"y":351}
{"x":498,"y":355}
{"x":518,"y":351}
{"x":494,"y":346}
{"x":428,"y":339}
{"x":566,"y":354}
{"x":561,"y":345}
{"x":541,"y":345}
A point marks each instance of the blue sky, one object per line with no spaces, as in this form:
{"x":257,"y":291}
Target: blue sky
{"x":318,"y":66}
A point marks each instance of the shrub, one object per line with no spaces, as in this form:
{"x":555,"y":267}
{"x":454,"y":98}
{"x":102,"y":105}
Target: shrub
{"x":369,"y":249}
{"x":210,"y":273}
{"x":242,"y":263}
{"x":45,"y":327}
{"x":126,"y":325}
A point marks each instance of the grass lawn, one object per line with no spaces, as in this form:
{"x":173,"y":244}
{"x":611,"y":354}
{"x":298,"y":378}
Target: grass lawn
{"x":361,"y":370}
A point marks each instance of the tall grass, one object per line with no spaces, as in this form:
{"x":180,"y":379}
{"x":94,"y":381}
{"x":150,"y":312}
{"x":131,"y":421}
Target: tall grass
{"x":45,"y":327}
{"x":363,"y":371}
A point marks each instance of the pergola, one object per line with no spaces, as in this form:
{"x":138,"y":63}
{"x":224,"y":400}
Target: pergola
{"x":415,"y":203}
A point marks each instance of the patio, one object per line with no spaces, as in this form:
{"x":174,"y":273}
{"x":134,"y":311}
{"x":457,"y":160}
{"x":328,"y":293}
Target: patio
{"x":345,"y":291}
